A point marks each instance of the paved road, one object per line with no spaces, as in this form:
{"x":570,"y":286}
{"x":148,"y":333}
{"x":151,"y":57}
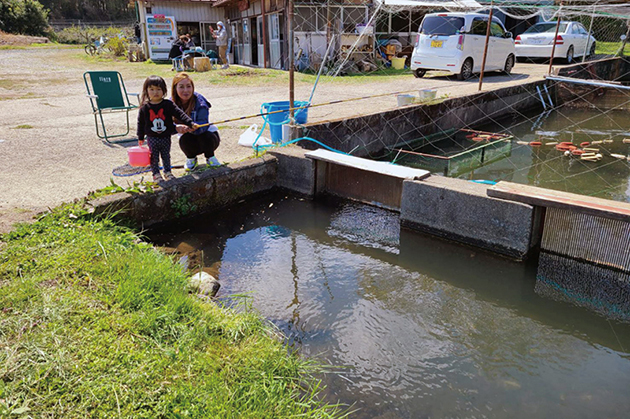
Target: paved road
{"x":50,"y":154}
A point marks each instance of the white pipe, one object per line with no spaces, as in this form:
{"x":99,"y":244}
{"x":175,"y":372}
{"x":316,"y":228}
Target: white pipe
{"x":588,"y":82}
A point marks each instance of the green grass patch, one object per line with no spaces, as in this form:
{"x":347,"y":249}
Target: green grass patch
{"x":94,"y":322}
{"x":608,"y":48}
{"x":24,"y":126}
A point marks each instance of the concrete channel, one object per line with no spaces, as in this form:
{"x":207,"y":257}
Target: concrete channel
{"x":479,"y":215}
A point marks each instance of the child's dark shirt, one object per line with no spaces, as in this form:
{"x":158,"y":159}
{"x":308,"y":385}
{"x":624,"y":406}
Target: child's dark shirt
{"x":156,"y":120}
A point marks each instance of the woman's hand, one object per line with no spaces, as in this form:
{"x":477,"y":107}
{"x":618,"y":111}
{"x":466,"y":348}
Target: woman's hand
{"x":194,"y":127}
{"x":182,"y":129}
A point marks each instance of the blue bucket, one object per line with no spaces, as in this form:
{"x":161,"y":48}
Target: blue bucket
{"x":276,"y":120}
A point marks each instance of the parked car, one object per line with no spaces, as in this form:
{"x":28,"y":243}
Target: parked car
{"x":573,"y":40}
{"x":455,"y":42}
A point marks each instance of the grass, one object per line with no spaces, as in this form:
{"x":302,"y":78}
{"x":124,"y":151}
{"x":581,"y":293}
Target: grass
{"x":96,"y":323}
{"x":608,"y":48}
{"x":24,"y":126}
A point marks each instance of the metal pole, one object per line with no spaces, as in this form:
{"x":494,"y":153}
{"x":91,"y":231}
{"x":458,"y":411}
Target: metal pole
{"x":291,"y":60}
{"x":555,"y":38}
{"x":485,"y":50}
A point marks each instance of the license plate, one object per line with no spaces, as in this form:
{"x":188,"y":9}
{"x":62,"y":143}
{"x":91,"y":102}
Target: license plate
{"x":436,"y":44}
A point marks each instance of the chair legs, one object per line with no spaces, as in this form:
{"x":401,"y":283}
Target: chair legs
{"x":104,"y":135}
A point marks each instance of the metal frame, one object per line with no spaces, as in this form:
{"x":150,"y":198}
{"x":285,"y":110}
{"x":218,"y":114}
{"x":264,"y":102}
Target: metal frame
{"x":98,"y":111}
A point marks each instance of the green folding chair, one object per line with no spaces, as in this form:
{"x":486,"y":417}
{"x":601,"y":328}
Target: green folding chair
{"x":107,"y":94}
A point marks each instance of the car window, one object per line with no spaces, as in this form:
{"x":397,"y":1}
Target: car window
{"x":442,"y":25}
{"x":576,"y":30}
{"x":496,"y":30}
{"x":581,"y":29}
{"x":479,"y":26}
{"x":547,"y":27}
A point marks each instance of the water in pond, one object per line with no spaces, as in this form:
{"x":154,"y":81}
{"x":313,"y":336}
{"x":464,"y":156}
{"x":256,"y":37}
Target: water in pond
{"x":419,"y":327}
{"x":547,"y":167}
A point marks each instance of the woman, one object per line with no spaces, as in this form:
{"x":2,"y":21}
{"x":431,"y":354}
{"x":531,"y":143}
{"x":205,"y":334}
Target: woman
{"x":202,"y":140}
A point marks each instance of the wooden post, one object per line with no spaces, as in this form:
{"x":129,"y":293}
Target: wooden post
{"x":555,"y":38}
{"x":264,"y":32}
{"x":485,"y":49}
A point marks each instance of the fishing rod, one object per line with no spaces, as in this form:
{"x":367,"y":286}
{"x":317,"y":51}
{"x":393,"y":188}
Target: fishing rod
{"x":334,"y":102}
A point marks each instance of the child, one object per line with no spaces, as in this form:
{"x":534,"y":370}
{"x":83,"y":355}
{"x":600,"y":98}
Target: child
{"x":155,"y":120}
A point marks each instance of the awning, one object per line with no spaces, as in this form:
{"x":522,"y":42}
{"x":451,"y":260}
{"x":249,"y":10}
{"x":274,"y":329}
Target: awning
{"x":432,"y":4}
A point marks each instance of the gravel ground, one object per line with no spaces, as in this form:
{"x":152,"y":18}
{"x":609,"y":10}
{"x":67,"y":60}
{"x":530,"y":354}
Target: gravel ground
{"x":50,"y":153}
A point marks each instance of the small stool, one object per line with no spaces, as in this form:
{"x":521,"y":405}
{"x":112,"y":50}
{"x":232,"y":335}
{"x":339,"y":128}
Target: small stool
{"x":214,"y":62}
{"x":178,"y":63}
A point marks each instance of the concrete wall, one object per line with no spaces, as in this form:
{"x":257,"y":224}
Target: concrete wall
{"x":460,"y":210}
{"x":195,"y":193}
{"x":369,"y":135}
{"x":594,"y":97}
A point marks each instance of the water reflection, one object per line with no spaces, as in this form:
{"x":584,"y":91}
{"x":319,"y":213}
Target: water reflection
{"x":432,"y":329}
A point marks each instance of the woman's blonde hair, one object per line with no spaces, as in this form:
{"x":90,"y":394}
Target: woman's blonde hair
{"x":190,"y":106}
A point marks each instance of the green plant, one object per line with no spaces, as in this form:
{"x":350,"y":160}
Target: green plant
{"x":183,"y":206}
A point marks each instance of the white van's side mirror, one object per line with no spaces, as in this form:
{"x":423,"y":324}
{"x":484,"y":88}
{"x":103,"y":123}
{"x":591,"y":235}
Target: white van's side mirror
{"x":508,"y":35}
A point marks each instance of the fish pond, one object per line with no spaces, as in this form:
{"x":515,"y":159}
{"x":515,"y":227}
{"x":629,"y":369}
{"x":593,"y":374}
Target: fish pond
{"x":413,"y":326}
{"x":518,"y":161}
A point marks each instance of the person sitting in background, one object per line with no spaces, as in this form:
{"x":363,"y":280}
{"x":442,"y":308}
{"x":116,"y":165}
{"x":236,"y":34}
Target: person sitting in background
{"x":202,"y":140}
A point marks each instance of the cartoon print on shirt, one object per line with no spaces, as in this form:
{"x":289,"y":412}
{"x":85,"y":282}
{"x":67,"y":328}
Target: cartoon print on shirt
{"x":157,"y":120}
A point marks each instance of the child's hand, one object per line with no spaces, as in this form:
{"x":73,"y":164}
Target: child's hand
{"x":194,"y":126}
{"x":140,"y":142}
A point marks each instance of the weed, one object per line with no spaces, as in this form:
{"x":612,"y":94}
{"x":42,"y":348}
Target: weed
{"x":183,"y":206}
{"x":24,"y":126}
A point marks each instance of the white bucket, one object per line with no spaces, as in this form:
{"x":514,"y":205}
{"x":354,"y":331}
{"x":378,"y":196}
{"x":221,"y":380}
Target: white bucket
{"x":405,"y":99}
{"x":427,"y":94}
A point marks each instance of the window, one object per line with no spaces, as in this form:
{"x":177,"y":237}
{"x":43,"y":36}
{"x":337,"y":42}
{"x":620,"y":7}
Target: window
{"x":479,"y":27}
{"x":497,"y":30}
{"x":305,"y":19}
{"x":400,"y":22}
{"x":442,"y":25}
{"x":352,"y":16}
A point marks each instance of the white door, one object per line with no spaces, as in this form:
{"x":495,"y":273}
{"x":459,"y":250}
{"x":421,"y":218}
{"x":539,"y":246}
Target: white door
{"x":261,"y":46}
{"x":499,"y":47}
{"x":236,"y":54}
{"x":475,"y":42}
{"x":580,"y":39}
{"x":247,"y":40}
{"x":275,"y":57}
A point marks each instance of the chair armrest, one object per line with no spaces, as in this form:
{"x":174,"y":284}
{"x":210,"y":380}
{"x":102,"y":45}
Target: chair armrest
{"x":137,"y":95}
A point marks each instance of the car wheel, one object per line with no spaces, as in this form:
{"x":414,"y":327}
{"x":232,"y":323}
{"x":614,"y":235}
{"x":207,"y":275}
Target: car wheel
{"x":569,"y":57}
{"x":467,"y":70}
{"x":592,"y":50}
{"x":509,"y":64}
{"x":419,"y":73}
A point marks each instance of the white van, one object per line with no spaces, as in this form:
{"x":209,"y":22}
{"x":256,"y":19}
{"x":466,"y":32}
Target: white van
{"x":455,"y":42}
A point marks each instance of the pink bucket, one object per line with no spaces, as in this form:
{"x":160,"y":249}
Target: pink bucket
{"x":139,"y":156}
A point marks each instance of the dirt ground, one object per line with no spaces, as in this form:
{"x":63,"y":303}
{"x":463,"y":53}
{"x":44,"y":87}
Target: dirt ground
{"x":49,"y":151}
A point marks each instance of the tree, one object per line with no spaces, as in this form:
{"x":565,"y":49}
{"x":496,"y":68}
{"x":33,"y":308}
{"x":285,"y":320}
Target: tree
{"x":92,"y":10}
{"x":27,"y":17}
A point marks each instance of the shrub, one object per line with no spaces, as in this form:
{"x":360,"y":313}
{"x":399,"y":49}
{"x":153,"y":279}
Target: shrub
{"x":26,"y":17}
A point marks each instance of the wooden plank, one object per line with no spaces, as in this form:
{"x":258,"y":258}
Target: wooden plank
{"x":381,"y":167}
{"x":556,"y":199}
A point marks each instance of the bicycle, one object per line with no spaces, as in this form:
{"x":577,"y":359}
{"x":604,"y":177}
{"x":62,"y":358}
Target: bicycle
{"x":97,"y":46}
